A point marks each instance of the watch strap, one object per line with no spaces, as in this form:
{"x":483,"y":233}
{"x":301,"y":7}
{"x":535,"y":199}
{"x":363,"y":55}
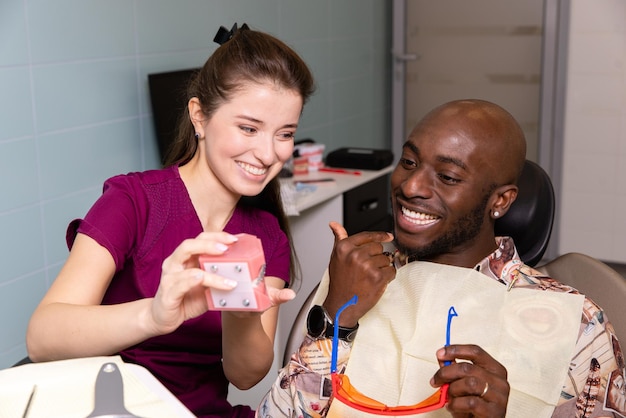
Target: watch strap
{"x":344,"y":333}
{"x":320,"y":325}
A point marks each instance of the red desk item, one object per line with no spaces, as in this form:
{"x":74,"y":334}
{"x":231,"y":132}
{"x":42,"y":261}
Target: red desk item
{"x":243,"y":262}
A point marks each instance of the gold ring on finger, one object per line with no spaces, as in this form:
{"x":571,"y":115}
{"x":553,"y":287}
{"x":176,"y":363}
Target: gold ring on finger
{"x":482,"y":395}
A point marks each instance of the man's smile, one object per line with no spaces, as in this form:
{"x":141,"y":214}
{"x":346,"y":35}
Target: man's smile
{"x":418,"y":218}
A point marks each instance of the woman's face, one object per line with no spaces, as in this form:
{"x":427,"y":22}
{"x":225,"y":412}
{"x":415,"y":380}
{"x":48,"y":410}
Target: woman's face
{"x":249,"y":138}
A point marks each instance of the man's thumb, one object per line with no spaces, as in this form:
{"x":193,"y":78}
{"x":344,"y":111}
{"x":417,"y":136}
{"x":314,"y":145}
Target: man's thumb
{"x":338,"y":231}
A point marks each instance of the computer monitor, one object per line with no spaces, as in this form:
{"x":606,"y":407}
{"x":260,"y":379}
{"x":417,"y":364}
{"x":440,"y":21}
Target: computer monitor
{"x":168,"y":91}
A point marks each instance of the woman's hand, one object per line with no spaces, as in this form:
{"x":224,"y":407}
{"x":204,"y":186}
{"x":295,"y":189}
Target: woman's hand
{"x":478,"y":386}
{"x":277,"y":296}
{"x":181,"y":292}
{"x":280,"y":296}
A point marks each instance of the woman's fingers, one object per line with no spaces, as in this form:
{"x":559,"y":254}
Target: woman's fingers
{"x":213,"y":243}
{"x":215,"y":281}
{"x":279,"y":296}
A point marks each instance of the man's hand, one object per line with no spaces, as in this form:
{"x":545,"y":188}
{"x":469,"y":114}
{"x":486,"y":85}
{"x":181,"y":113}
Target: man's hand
{"x":478,"y":388}
{"x":357,"y":267}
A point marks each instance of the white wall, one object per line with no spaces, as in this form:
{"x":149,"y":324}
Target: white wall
{"x":592,"y":201}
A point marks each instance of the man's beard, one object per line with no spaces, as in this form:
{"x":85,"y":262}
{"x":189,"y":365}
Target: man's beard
{"x":466,"y":229}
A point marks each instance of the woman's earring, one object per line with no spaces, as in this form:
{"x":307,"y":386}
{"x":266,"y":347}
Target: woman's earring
{"x":197,"y":135}
{"x":496,"y":214}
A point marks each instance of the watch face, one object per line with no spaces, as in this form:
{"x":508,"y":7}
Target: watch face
{"x":316,"y":321}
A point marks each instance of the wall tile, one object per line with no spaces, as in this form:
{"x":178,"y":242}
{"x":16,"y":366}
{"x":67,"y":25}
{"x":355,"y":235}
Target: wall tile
{"x":53,"y":271}
{"x":12,"y":355}
{"x":380,"y":128}
{"x":75,"y":29}
{"x":349,"y":58}
{"x":149,"y":147}
{"x":18,"y":171}
{"x":16,"y":110}
{"x":381,"y":70}
{"x":317,"y":55}
{"x":21,"y":246}
{"x":57,"y":214}
{"x":348,"y":21}
{"x":259,"y":14}
{"x":348,"y":96}
{"x":161,"y":63}
{"x":379,"y":29}
{"x":317,"y":110}
{"x":75,"y":94}
{"x":315,"y":26}
{"x":163,"y":25}
{"x":13,"y":36}
{"x":15,"y":314}
{"x":351,"y":132}
{"x":320,"y":133}
{"x":84,"y":158}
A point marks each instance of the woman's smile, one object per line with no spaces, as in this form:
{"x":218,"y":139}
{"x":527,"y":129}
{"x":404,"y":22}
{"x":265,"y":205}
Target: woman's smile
{"x":254,"y":170}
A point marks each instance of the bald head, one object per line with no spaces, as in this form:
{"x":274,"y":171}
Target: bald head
{"x":492,"y":130}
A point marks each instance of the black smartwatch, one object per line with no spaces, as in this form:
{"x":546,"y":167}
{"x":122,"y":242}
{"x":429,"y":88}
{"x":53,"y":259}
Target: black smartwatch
{"x":320,"y":325}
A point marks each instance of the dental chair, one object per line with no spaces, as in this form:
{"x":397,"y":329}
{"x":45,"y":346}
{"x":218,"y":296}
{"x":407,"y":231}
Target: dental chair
{"x":529,"y":222}
{"x":596,"y":280}
{"x":530,"y":218}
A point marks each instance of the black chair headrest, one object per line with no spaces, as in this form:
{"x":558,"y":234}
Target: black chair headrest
{"x":530,"y":218}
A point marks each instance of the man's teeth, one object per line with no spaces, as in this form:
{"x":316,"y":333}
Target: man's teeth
{"x":257,"y":171}
{"x":418,"y":218}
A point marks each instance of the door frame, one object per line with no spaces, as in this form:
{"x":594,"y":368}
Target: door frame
{"x":398,"y":77}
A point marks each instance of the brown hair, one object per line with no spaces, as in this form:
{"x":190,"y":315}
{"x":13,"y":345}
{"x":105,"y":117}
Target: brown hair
{"x":249,"y":56}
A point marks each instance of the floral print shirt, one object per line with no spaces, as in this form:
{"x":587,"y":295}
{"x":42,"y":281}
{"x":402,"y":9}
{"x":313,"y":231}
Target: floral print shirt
{"x":595,"y":385}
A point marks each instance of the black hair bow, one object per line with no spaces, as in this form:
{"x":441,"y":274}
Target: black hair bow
{"x":223,"y":35}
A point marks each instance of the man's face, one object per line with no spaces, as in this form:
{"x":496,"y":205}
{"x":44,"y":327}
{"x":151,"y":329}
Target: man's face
{"x":440,"y":192}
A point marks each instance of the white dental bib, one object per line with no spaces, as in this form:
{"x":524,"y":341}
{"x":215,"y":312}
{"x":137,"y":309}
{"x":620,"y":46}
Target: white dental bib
{"x":531,"y":332}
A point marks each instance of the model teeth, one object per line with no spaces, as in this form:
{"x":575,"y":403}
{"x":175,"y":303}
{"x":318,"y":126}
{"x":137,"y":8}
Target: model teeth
{"x":252,"y":169}
{"x":418,"y":218}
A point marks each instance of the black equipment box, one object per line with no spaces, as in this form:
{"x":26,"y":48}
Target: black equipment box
{"x":366,"y":207}
{"x":362,"y":158}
